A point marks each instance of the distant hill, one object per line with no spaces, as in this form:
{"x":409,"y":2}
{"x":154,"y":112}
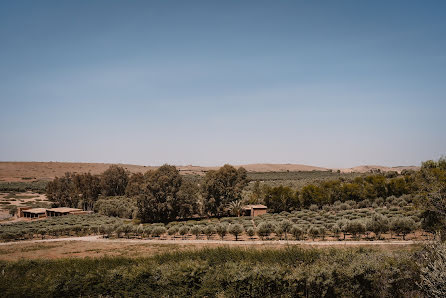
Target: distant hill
{"x":25,"y":171}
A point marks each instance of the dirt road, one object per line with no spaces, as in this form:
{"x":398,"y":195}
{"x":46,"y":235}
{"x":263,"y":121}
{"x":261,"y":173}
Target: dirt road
{"x":226,"y":242}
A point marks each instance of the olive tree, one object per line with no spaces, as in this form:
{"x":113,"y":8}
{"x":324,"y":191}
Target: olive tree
{"x":236,"y":230}
{"x":222,"y":230}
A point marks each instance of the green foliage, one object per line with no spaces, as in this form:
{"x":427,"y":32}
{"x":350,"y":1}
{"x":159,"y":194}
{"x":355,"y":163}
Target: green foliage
{"x":264,"y":229}
{"x":222,"y":230}
{"x":281,"y":198}
{"x":114,"y":181}
{"x":222,"y":187}
{"x":210,"y":230}
{"x":297,"y":232}
{"x":403,"y":225}
{"x":122,"y":207}
{"x":236,"y":230}
{"x":36,"y":186}
{"x":166,"y":196}
{"x":220,"y":272}
{"x":58,"y":226}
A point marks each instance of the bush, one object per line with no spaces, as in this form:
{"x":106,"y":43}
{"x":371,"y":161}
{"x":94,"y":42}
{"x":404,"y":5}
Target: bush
{"x":355,"y":227}
{"x":184,"y":230}
{"x":265,"y":229}
{"x":250,"y":232}
{"x":297,"y":232}
{"x":158,"y":231}
{"x":314,"y":232}
{"x":196,"y":230}
{"x":403,"y":225}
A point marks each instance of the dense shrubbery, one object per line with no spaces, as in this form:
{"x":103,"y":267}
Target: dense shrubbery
{"x":36,"y":186}
{"x":222,"y":272}
{"x":119,"y":206}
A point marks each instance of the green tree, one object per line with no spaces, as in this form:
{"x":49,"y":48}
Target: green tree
{"x":183,"y":231}
{"x":114,"y":181}
{"x":235,"y":208}
{"x":355,"y":227}
{"x":281,"y":198}
{"x":135,"y":185}
{"x":265,"y":229}
{"x":222,"y":187}
{"x":378,"y":224}
{"x":286,"y":226}
{"x":196,"y":230}
{"x":210,"y":230}
{"x":166,"y":196}
{"x":297,"y":232}
{"x":403,"y":225}
{"x":222,"y":230}
{"x":236,"y":230}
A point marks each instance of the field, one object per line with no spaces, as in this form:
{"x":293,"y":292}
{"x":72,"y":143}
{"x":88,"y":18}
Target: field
{"x":35,"y":171}
{"x":221,"y":272}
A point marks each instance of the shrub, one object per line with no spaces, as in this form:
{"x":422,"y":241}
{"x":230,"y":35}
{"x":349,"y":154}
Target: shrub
{"x":403,"y":225}
{"x":355,"y":227}
{"x":184,"y":230}
{"x":158,"y":231}
{"x":196,"y":230}
{"x":250,"y":232}
{"x":172,"y":230}
{"x":314,"y":232}
{"x":265,"y":229}
{"x":297,"y":232}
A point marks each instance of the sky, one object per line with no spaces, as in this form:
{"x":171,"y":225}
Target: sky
{"x":324,"y":83}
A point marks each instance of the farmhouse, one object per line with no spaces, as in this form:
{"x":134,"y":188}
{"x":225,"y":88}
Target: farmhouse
{"x":32,"y":212}
{"x":254,"y":210}
{"x":63,"y":211}
{"x":29,"y":212}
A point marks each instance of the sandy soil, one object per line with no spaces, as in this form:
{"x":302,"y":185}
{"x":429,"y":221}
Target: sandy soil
{"x":21,"y":199}
{"x":29,"y":171}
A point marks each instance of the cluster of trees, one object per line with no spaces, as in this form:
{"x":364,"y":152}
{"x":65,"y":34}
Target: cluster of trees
{"x":161,"y":195}
{"x":83,"y":190}
{"x":284,"y":198}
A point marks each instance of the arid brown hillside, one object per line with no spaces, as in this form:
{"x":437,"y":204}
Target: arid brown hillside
{"x":20,"y":171}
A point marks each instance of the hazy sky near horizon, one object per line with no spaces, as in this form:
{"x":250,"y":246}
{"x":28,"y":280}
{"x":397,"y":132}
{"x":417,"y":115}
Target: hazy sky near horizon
{"x":326,"y":83}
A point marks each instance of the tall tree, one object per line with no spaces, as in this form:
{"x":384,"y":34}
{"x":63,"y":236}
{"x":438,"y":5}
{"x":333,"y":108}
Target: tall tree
{"x":166,"y":196}
{"x":222,"y":187}
{"x":114,"y":181}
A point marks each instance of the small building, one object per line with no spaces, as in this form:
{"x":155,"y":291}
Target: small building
{"x":60,"y":211}
{"x":254,"y":210}
{"x":33,"y":212}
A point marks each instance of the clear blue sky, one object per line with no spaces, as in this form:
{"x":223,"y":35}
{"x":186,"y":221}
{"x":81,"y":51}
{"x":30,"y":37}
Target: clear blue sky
{"x":328,"y":83}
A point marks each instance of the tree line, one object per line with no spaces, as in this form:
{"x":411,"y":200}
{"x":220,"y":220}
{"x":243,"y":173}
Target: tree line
{"x":161,"y":195}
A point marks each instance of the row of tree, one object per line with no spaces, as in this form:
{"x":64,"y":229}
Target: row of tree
{"x":161,"y":195}
{"x":284,"y":198}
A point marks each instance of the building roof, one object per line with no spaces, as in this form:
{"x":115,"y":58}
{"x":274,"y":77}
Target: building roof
{"x":64,"y":209}
{"x":255,"y":207}
{"x":35,"y":210}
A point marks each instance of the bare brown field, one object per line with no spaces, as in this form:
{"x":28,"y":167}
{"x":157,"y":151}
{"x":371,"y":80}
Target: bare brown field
{"x":31,"y":171}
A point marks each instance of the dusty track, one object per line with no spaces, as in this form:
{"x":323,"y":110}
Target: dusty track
{"x":226,"y":242}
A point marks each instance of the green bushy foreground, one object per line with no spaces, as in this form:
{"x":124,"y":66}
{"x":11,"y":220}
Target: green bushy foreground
{"x":222,"y":272}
